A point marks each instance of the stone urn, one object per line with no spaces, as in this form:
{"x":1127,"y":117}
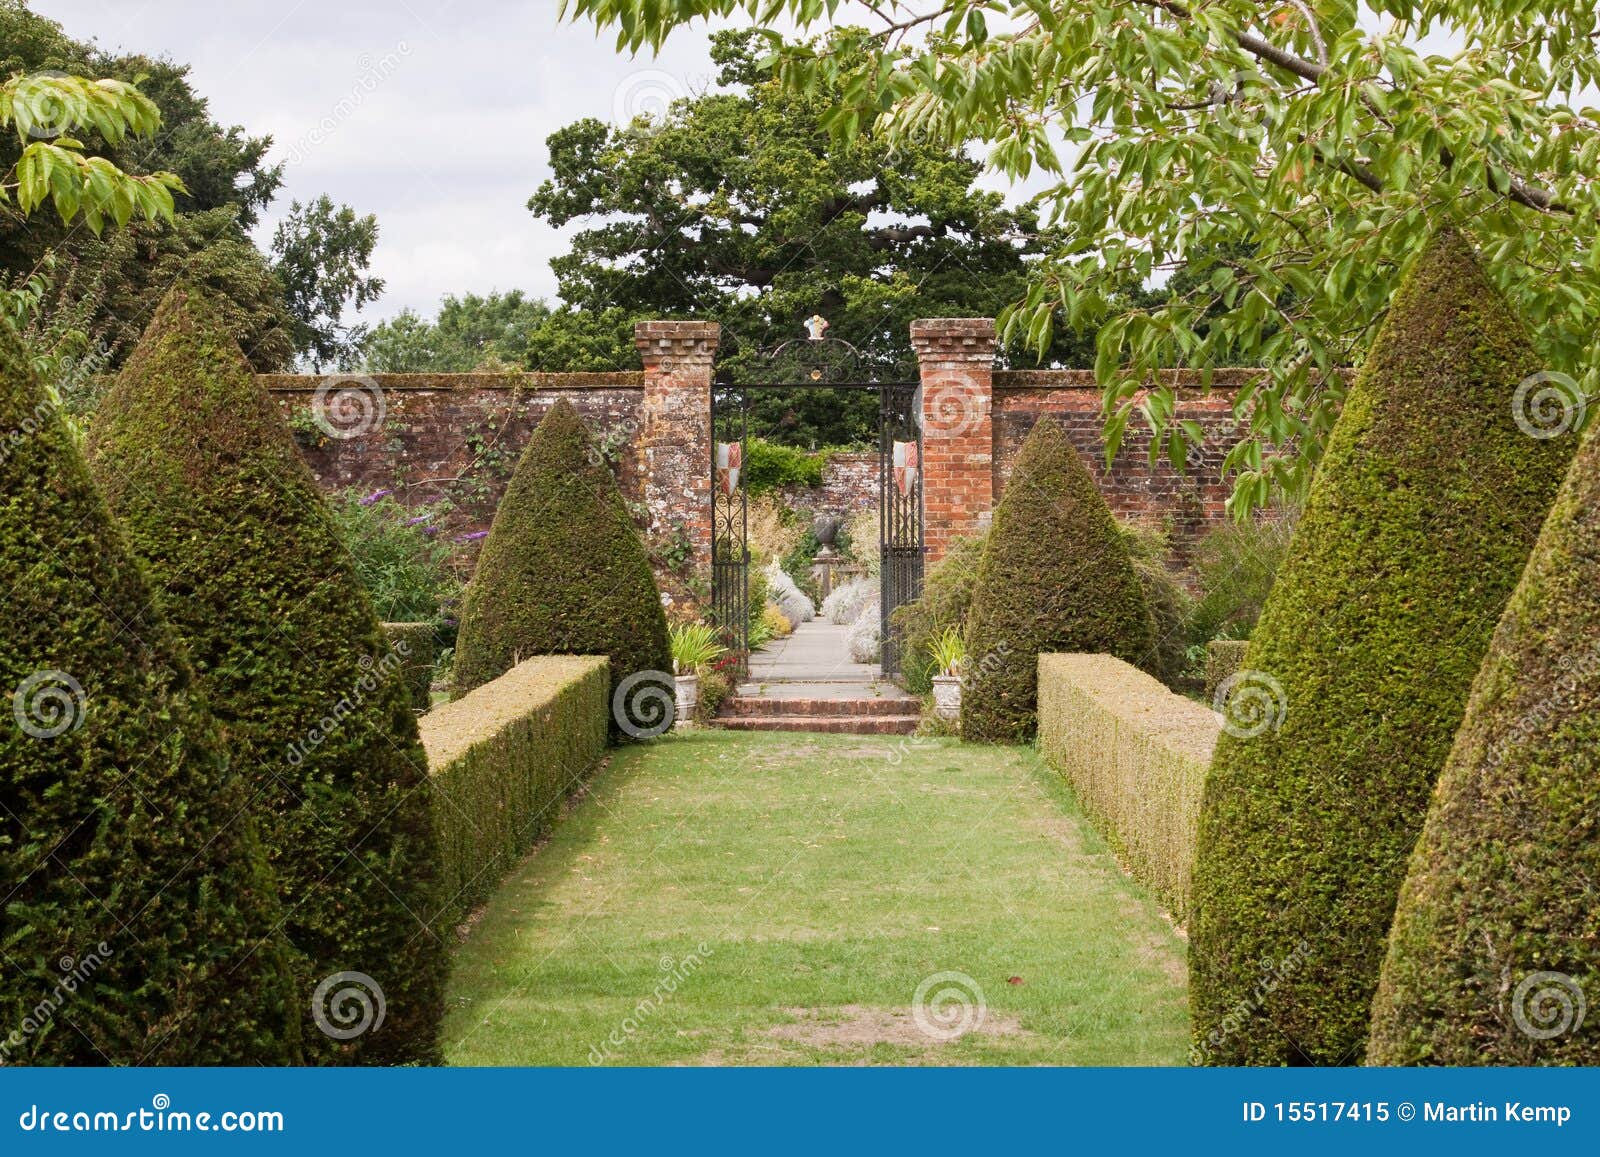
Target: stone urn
{"x":826,"y":529}
{"x":947,"y":696}
{"x":688,"y":695}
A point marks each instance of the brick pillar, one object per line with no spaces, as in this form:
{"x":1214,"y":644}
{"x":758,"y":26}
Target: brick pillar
{"x":673,"y":451}
{"x":956,"y":357}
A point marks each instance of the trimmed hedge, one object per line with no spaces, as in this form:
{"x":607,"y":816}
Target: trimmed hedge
{"x":1501,"y":883}
{"x":1223,"y":658}
{"x":1136,"y":755}
{"x":504,"y":757}
{"x":199,"y":466}
{"x":1419,"y":520}
{"x":563,"y":571}
{"x":1055,"y":576}
{"x":418,"y":648}
{"x":139,"y":914}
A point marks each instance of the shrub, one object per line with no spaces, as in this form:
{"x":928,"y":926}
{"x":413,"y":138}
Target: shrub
{"x":1235,"y":565}
{"x":132,"y":882}
{"x":862,"y":640}
{"x":946,"y":597}
{"x":504,"y":758}
{"x":842,"y":607}
{"x":1417,"y":525}
{"x":1223,"y":658}
{"x":774,"y":623}
{"x":1136,"y":756}
{"x":1500,"y":885}
{"x":768,"y":466}
{"x":398,"y":556}
{"x":716,"y":684}
{"x":1055,"y":576}
{"x":787,"y":597}
{"x":199,"y":467}
{"x":1169,"y":603}
{"x":563,"y":571}
{"x":858,"y":540}
{"x":417,"y":648}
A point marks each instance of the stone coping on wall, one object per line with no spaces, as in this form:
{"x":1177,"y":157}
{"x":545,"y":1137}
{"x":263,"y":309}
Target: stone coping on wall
{"x":1226,"y":378}
{"x":461,"y":383}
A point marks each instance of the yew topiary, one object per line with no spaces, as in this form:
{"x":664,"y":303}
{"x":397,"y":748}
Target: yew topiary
{"x":1419,"y":520}
{"x":1495,"y":947}
{"x":200,"y":468}
{"x":139,"y":915}
{"x":563,"y":571}
{"x":1055,"y":576}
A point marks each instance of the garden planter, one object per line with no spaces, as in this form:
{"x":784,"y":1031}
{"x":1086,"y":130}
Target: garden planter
{"x":947,"y":696}
{"x":688,"y":687}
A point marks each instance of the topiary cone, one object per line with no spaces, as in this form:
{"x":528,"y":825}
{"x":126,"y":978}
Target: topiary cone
{"x":1055,"y":576}
{"x":1495,"y":948}
{"x":1418,"y":522}
{"x":139,"y":915}
{"x":563,"y":571}
{"x":201,"y":470}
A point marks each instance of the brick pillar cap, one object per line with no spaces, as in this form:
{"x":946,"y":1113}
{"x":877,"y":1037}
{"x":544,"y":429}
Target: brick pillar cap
{"x":690,"y":330}
{"x":933,"y":328}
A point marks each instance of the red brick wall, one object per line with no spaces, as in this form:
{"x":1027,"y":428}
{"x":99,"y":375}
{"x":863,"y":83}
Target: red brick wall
{"x":455,"y":437}
{"x":1189,"y":504}
{"x":849,"y":484}
{"x":956,"y":360}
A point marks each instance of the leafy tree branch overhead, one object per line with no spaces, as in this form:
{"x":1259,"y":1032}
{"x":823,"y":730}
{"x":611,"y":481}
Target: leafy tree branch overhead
{"x":1298,"y":155}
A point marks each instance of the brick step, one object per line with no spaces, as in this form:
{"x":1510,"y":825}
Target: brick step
{"x":837,"y":724}
{"x":741,"y":705}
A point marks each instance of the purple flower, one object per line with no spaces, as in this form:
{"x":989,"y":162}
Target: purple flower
{"x":418,"y":520}
{"x":430,"y":530}
{"x":374,"y":496}
{"x":474,"y":536}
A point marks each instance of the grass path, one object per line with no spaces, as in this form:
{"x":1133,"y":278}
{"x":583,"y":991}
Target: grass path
{"x":728,"y":898}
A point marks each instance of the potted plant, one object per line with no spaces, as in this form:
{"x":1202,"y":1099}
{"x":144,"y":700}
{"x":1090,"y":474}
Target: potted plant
{"x":694,"y":645}
{"x":949,"y":652}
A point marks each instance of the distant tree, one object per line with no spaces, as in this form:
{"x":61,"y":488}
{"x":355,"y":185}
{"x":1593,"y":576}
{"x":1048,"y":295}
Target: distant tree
{"x":470,"y":333}
{"x":321,"y":254}
{"x":737,"y":207}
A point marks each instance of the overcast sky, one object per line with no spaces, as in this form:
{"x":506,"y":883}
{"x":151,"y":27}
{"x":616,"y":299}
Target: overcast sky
{"x":431,"y":115}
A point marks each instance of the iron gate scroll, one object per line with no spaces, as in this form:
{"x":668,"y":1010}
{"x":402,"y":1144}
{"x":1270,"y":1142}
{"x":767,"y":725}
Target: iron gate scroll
{"x":816,"y":362}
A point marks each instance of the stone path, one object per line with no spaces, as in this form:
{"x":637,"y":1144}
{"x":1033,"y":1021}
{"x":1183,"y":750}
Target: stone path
{"x":808,"y":682}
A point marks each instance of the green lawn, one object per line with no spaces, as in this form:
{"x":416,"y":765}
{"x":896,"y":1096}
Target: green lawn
{"x":726,"y":898}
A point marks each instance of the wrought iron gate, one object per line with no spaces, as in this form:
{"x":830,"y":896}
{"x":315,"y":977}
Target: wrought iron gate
{"x":816,"y":362}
